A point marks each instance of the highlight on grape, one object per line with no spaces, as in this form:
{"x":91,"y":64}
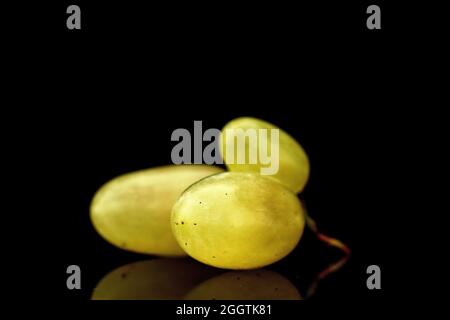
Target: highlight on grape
{"x":248,"y":146}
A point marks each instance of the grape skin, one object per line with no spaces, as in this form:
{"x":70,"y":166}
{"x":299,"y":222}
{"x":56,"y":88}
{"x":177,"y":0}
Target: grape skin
{"x":132,"y":211}
{"x":294,"y":167}
{"x":238,"y":221}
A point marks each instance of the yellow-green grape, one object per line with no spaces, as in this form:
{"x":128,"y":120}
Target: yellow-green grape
{"x":293,"y":169}
{"x":133,"y":211}
{"x":158,"y":279}
{"x":245,"y":285}
{"x":238,"y":220}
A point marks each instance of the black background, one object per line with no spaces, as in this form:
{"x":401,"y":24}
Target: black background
{"x":114,"y":91}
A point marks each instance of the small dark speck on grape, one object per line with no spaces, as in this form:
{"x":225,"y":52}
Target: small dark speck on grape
{"x":200,"y":202}
{"x":182,"y":222}
{"x":123,"y":275}
{"x":214,"y":257}
{"x":226,"y":194}
{"x":276,"y":289}
{"x":185,"y":243}
{"x":176,"y":223}
{"x":195,"y":224}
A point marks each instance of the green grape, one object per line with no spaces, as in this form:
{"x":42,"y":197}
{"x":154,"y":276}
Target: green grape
{"x":158,"y":279}
{"x":293,"y":170}
{"x":132,"y":211}
{"x":245,"y":285}
{"x":238,"y":220}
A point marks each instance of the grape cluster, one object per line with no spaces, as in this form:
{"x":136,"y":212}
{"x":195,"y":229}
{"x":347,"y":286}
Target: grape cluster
{"x":238,"y":219}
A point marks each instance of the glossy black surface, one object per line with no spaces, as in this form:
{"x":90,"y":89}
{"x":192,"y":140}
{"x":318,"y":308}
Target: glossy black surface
{"x":120,"y":87}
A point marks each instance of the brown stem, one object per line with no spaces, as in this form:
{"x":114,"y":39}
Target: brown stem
{"x":335,"y":266}
{"x":328,"y":240}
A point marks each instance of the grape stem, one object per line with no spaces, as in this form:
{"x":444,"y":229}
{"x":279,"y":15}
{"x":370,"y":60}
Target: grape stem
{"x":335,"y":266}
{"x":324,"y":238}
